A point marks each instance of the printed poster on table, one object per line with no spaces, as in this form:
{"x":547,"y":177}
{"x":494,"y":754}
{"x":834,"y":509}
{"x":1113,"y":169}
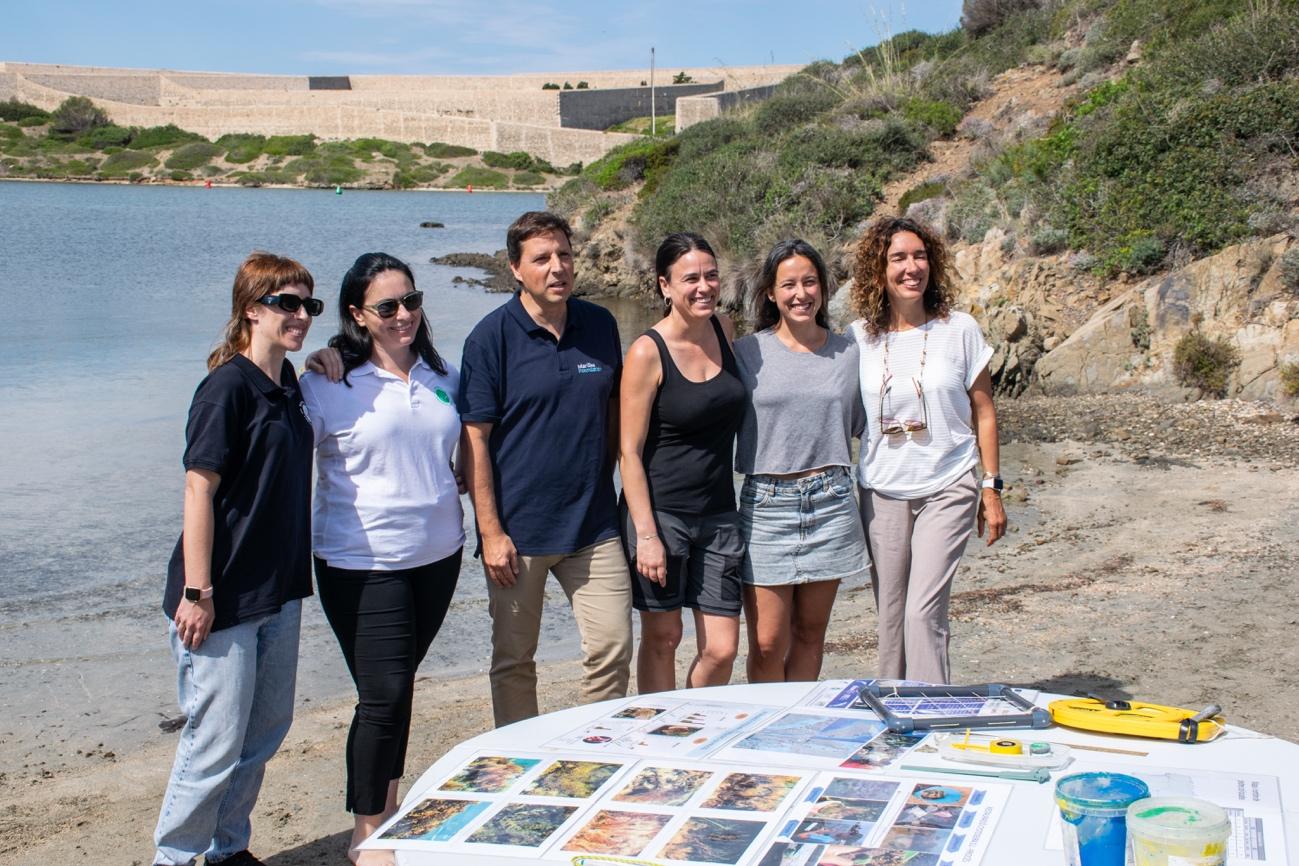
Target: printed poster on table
{"x":687,"y":814}
{"x":648,"y":726}
{"x":821,"y":738}
{"x":853,"y":820}
{"x":557,"y":807}
{"x":497,"y":802}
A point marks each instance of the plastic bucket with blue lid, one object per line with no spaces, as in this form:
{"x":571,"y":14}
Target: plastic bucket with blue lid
{"x":1094,"y":808}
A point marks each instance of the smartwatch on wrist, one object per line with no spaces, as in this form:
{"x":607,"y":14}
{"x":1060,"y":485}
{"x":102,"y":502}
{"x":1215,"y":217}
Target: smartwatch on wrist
{"x":194,"y":595}
{"x":992,"y":482}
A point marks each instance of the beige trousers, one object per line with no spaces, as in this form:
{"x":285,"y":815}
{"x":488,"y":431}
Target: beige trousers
{"x":915,"y":547}
{"x":598,"y":587}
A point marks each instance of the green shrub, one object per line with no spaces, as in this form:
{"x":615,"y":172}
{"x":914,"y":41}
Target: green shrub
{"x":101,"y":137}
{"x":419,"y":175}
{"x":289,"y":145}
{"x":241,"y":147}
{"x":643,"y":160}
{"x":125,"y":162}
{"x":438,"y":150}
{"x":1204,"y":364}
{"x":783,"y":113}
{"x":13,"y":110}
{"x":1142,"y":255}
{"x":528,"y":178}
{"x":1047,"y":240}
{"x":190,"y":156}
{"x":980,"y":16}
{"x":162,"y":136}
{"x":75,"y":115}
{"x":582,"y":85}
{"x":923,"y":192}
{"x":481,"y":177}
{"x":595,"y":214}
{"x":394,"y":150}
{"x":1290,"y":379}
{"x":33,"y":121}
{"x":550,"y":85}
{"x":180,"y":176}
{"x":941,"y":117}
{"x":10,"y":133}
{"x":1289,"y":270}
{"x":516,"y":160}
{"x":706,"y":137}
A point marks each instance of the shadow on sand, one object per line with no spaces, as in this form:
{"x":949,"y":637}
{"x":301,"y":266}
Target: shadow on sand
{"x":327,"y":849}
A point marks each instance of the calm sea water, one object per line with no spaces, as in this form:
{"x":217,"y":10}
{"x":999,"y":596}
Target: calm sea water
{"x":113,"y":296}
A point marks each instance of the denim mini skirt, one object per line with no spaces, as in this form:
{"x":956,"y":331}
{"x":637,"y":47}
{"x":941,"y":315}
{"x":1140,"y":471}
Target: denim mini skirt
{"x":801,"y":530}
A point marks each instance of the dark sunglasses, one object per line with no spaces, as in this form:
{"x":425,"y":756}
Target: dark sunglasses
{"x":388,"y":308}
{"x":293,"y":303}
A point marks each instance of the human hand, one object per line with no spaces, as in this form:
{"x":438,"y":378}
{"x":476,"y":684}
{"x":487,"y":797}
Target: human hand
{"x":500,"y":559}
{"x":327,"y":361}
{"x":992,"y":514}
{"x":194,"y":622}
{"x":461,"y":486}
{"x":652,"y":559}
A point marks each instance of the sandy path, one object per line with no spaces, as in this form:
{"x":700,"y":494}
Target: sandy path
{"x":1169,"y":579}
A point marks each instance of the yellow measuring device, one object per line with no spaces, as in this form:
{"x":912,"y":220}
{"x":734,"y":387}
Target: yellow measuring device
{"x":1140,"y":719}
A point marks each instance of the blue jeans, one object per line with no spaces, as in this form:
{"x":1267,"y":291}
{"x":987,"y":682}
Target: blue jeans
{"x":237,"y":691}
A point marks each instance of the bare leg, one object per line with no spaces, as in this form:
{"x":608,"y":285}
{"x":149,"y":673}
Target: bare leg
{"x":717,"y":639}
{"x":811,"y":616}
{"x":767,"y":614}
{"x":364,"y":827}
{"x":656,"y":660}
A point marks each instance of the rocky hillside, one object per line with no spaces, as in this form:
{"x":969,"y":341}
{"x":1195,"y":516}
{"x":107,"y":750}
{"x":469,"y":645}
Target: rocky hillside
{"x":1118,"y":179}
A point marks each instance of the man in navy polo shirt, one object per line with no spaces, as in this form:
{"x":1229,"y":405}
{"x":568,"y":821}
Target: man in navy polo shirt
{"x":538,"y":398}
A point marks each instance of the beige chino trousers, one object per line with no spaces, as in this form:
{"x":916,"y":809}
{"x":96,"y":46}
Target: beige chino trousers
{"x":598,"y":587}
{"x":915,"y":547}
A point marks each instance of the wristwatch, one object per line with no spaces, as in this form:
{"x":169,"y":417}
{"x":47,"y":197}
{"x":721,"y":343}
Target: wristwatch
{"x":195,"y":595}
{"x":992,"y":482}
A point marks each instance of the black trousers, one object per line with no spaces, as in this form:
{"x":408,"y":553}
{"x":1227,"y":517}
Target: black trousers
{"x":385,"y":622}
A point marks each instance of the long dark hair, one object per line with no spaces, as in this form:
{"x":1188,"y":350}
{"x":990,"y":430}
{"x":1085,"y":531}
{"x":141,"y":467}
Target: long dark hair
{"x":352,"y":341}
{"x":765,"y":313}
{"x":675,"y":246}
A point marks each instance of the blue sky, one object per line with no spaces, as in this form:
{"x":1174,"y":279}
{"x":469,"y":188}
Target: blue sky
{"x":322,"y":37}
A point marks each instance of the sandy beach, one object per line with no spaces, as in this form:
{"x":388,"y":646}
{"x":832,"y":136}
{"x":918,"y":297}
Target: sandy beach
{"x":1153,"y":553}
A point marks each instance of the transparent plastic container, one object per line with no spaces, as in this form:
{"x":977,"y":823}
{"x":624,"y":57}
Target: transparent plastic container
{"x":1177,"y":831}
{"x":1094,"y":807}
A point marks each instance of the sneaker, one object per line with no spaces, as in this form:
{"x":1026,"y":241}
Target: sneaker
{"x":239,"y":858}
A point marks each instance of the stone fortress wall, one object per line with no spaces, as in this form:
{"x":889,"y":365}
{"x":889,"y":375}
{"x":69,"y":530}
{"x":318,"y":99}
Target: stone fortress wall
{"x":485,"y":112}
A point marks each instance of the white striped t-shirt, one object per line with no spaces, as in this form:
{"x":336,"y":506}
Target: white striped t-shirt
{"x":912,"y":465}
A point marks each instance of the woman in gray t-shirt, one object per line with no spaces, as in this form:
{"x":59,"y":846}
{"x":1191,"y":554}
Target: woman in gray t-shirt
{"x":797,"y":509}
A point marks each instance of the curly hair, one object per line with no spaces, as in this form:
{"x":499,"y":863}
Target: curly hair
{"x":870,"y":300}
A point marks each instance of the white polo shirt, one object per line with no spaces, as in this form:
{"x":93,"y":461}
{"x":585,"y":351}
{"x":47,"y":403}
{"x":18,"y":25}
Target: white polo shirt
{"x":912,"y":465}
{"x":386,"y":497}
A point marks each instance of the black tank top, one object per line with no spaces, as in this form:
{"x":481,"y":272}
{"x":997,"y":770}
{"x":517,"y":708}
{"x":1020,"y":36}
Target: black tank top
{"x":691,"y":435}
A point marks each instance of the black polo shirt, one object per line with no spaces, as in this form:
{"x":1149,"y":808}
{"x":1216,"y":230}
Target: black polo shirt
{"x":257,"y":436}
{"x":548,"y":402}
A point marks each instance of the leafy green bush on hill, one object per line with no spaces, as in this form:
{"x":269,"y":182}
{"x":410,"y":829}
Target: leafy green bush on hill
{"x":484,"y":178}
{"x":1163,"y":158}
{"x":13,"y":110}
{"x":190,"y":156}
{"x":75,"y":115}
{"x":162,"y":136}
{"x":241,"y":147}
{"x":438,"y":150}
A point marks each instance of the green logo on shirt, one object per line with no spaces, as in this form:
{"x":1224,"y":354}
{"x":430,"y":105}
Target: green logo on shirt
{"x":442,"y":395}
